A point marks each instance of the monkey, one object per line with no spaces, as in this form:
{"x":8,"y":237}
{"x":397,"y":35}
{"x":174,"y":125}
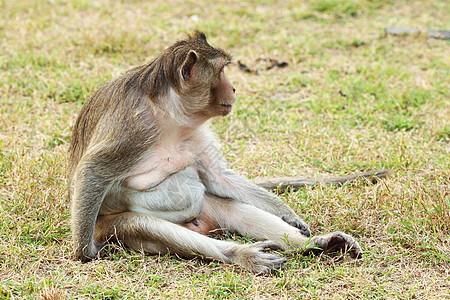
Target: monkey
{"x":145,"y":170}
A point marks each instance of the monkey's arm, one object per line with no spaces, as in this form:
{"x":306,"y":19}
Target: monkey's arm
{"x":88,"y":194}
{"x":223,"y":182}
{"x":94,"y":176}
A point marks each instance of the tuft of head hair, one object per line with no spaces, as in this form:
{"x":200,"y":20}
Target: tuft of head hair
{"x":199,"y":35}
{"x":198,"y":42}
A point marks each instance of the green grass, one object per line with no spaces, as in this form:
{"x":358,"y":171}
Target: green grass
{"x":351,"y":99}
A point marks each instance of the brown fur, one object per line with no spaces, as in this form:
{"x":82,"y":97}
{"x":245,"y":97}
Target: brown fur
{"x":144,"y":169}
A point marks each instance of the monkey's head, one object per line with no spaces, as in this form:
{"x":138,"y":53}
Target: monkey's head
{"x":199,"y":79}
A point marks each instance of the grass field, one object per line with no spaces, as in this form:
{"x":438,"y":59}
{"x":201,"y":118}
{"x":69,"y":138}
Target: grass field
{"x":351,"y":99}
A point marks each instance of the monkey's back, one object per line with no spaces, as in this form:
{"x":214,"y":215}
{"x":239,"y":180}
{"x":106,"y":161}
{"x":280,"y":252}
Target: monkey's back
{"x":113,"y":111}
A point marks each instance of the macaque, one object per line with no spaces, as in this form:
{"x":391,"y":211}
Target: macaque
{"x":145,"y":170}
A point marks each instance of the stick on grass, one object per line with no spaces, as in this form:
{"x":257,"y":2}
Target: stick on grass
{"x":282,"y":183}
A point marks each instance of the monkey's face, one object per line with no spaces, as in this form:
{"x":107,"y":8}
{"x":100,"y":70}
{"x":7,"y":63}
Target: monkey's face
{"x":206,"y":90}
{"x":223,"y":94}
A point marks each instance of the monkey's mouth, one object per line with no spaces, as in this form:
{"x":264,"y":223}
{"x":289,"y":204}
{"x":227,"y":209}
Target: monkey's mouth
{"x":226,"y":108}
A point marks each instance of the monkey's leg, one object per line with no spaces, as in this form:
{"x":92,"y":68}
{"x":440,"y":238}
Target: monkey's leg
{"x":257,"y":223}
{"x":152,"y":235}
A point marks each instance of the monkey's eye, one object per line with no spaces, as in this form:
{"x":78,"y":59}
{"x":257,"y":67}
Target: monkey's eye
{"x":223,"y":67}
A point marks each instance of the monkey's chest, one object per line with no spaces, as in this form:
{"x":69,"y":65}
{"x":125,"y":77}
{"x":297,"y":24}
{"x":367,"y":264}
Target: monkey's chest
{"x":157,"y":167}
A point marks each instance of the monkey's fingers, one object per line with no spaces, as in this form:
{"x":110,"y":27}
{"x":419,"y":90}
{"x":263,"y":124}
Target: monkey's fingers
{"x":296,"y":222}
{"x":96,"y":251}
{"x":106,"y":249}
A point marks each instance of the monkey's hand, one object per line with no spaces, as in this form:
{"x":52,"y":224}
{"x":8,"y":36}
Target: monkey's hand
{"x":294,"y":220}
{"x":254,"y":257}
{"x":87,"y":254}
{"x":335,"y":242}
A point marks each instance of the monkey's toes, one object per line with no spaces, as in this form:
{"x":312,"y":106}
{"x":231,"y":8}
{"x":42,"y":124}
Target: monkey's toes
{"x":336,"y":242}
{"x":264,"y":246}
{"x":271,"y":261}
{"x":267,"y":262}
{"x":341,"y":242}
{"x":276,"y":263}
{"x":355,"y":251}
{"x":255,"y":257}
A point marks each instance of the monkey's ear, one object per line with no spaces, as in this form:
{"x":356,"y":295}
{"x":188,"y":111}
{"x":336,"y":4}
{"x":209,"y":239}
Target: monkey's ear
{"x":188,"y":65}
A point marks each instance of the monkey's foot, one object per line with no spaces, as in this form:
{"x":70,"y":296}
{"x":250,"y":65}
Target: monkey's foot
{"x":296,"y":222}
{"x":254,"y":257}
{"x":335,"y":242}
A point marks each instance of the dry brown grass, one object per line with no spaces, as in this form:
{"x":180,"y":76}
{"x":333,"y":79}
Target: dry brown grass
{"x":392,"y":111}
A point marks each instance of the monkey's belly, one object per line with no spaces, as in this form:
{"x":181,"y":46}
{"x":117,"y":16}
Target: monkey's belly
{"x":177,"y":199}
